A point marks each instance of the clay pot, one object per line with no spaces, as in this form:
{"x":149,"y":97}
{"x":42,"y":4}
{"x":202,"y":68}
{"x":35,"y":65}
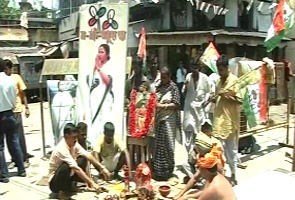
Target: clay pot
{"x":164,"y":190}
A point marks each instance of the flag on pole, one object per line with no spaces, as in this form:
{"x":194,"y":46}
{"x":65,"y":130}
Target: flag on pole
{"x":248,"y":85}
{"x":210,"y":57}
{"x":142,"y":49}
{"x":282,"y":23}
{"x":249,"y":110}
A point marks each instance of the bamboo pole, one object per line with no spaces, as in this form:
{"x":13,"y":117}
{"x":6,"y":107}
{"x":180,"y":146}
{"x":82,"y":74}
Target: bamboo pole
{"x":42,"y":118}
{"x":293,"y":160}
{"x":288,"y":118}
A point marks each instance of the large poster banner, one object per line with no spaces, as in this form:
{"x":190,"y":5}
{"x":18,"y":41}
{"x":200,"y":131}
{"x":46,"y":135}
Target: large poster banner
{"x":102,"y":65}
{"x":62,"y":101}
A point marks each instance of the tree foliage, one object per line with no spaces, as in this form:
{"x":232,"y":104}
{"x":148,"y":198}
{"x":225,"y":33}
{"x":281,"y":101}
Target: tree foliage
{"x":8,"y":12}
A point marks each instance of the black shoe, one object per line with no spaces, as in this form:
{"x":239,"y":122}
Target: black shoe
{"x":4,"y":180}
{"x":23,"y":174}
{"x":30,"y":155}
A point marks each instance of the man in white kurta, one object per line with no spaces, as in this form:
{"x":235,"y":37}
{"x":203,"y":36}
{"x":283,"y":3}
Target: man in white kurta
{"x":197,"y":93}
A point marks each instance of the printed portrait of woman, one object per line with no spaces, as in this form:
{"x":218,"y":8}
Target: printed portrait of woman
{"x":100,"y":84}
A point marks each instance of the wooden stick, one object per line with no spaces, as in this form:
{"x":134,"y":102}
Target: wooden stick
{"x":288,"y":118}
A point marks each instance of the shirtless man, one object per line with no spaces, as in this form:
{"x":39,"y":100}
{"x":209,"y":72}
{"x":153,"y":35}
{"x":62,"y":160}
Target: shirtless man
{"x":217,"y":186}
{"x":204,"y":144}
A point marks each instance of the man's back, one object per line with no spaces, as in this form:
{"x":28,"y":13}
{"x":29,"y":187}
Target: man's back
{"x":7,"y":92}
{"x":218,"y":189}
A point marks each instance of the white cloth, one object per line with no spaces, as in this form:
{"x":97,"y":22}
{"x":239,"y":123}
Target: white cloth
{"x":196,"y":94}
{"x":155,"y":83}
{"x":7,"y":92}
{"x":62,"y":113}
{"x":111,"y":162}
{"x":194,"y":113}
{"x":96,"y":99}
{"x":214,"y":78}
{"x":24,"y":20}
{"x":63,"y":153}
{"x":180,"y":77}
{"x":230,"y":146}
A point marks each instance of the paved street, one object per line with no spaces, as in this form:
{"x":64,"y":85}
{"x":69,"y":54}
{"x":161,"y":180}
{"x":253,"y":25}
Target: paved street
{"x":268,"y":156}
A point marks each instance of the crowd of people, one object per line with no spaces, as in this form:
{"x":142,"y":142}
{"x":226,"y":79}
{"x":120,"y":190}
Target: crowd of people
{"x":210,"y":141}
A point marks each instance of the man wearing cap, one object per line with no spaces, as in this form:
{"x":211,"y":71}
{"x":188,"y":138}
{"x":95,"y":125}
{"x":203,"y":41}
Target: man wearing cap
{"x":111,"y":151}
{"x":204,"y":143}
{"x":217,"y":186}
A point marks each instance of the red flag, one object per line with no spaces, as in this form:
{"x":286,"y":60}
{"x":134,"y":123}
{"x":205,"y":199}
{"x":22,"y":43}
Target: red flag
{"x":278,"y":21}
{"x":142,"y":44}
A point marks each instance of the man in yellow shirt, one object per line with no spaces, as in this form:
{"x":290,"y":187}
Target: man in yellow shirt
{"x":226,"y":125}
{"x":111,"y":151}
{"x":20,"y":100}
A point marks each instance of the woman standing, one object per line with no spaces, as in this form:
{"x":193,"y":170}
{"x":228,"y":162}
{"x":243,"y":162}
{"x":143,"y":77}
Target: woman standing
{"x":167,"y":125}
{"x":101,"y":99}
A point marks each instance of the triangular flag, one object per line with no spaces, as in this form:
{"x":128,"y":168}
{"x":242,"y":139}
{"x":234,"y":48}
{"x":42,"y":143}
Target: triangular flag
{"x":215,"y":8}
{"x":210,"y":57}
{"x":142,"y":44}
{"x":24,"y":20}
{"x":203,"y":4}
{"x":282,"y":23}
{"x":197,"y":4}
{"x":208,"y":7}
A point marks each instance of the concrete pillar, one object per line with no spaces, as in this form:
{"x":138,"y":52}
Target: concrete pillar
{"x":231,"y":17}
{"x":163,"y":56}
{"x":231,"y":50}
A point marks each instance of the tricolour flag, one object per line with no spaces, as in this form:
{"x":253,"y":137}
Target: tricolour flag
{"x":251,"y":77}
{"x":249,"y":110}
{"x":210,"y":57}
{"x":282,"y":23}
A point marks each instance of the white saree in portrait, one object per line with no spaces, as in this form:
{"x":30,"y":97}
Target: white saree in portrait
{"x":101,"y":99}
{"x":62,"y":113}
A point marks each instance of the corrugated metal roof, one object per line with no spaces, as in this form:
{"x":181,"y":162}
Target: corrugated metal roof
{"x":214,"y":32}
{"x":12,"y":52}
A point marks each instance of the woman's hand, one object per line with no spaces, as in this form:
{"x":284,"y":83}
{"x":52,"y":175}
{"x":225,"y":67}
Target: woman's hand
{"x":160,"y":105}
{"x":98,"y":63}
{"x":27,"y":113}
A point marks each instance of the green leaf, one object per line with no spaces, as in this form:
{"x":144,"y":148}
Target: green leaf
{"x":115,"y":24}
{"x":101,"y":12}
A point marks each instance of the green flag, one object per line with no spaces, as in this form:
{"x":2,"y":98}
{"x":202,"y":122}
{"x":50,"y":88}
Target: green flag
{"x":248,"y":109}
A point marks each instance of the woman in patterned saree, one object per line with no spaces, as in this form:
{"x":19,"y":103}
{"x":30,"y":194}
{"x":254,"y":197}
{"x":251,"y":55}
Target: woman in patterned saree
{"x":167,"y":124}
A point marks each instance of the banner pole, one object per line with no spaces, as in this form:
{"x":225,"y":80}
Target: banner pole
{"x":42,"y":118}
{"x":293,"y":158}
